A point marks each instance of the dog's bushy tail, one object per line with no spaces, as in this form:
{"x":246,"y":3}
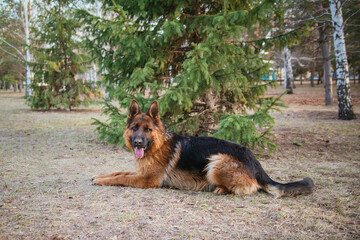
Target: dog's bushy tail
{"x":303,"y":187}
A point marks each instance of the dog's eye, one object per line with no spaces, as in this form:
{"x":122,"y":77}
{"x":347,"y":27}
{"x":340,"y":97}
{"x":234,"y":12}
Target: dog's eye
{"x":135,"y":128}
{"x":148,"y":129}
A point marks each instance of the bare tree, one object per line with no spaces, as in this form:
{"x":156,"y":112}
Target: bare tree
{"x":14,"y":37}
{"x":345,"y":108}
{"x":289,"y":76}
{"x":27,"y":39}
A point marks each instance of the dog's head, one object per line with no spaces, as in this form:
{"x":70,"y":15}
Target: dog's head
{"x":144,"y":131}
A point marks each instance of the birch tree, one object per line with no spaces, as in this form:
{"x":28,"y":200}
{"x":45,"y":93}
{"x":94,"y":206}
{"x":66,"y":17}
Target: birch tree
{"x":14,"y":36}
{"x":289,"y":76}
{"x":27,"y":39}
{"x":12,"y":39}
{"x":345,"y":108}
{"x":287,"y":25}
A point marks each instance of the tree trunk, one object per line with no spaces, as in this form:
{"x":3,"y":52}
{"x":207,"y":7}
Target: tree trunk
{"x":345,"y":108}
{"x":15,"y":86}
{"x":354,"y":75}
{"x":95,"y":72}
{"x":312,"y":76}
{"x":279,"y":77}
{"x":327,"y":64}
{"x":321,"y":74}
{"x":313,"y":65}
{"x":20,"y":86}
{"x":289,"y":77}
{"x":27,"y":38}
{"x":293,"y":83}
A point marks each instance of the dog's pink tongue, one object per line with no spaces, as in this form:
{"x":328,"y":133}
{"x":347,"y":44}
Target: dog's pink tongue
{"x":139,"y":152}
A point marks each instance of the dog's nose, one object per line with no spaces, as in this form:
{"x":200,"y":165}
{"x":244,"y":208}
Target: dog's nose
{"x":138,"y":141}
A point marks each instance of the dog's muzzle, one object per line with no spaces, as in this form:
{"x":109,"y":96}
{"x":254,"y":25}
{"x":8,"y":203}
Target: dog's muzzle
{"x":139,"y":148}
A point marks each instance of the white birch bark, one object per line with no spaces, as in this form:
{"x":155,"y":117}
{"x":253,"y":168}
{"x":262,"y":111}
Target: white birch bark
{"x":289,"y":77}
{"x":27,"y":39}
{"x":95,"y":72}
{"x":345,"y":109}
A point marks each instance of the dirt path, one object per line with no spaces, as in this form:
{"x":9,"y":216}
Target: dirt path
{"x":48,"y":158}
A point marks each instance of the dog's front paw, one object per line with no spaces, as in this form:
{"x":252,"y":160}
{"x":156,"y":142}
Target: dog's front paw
{"x":95,"y":177}
{"x":98,"y":181}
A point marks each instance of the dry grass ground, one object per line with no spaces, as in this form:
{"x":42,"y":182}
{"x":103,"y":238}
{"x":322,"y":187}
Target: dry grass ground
{"x":48,"y":158}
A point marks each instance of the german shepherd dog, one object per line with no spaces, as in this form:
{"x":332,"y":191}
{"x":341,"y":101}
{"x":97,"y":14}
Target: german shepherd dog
{"x":167,"y":159}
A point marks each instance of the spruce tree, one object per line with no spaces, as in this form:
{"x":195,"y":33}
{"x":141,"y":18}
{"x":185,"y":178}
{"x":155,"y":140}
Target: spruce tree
{"x":203,"y":61}
{"x":58,"y":58}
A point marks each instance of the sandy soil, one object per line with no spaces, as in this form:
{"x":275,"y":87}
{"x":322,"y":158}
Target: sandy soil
{"x":48,"y":158}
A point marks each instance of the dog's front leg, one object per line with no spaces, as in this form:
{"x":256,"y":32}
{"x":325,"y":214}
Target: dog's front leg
{"x":113,"y":175}
{"x":137,"y":181}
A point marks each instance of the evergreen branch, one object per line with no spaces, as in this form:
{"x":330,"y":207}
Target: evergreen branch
{"x":121,"y":14}
{"x":260,"y":85}
{"x":274,"y":101}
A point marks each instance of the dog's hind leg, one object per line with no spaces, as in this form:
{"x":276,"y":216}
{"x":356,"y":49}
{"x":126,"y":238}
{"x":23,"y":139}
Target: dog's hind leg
{"x":221,"y":190}
{"x":230,"y":175}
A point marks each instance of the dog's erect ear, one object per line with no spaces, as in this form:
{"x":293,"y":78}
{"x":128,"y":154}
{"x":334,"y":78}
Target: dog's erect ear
{"x":134,"y":109}
{"x":153,"y":111}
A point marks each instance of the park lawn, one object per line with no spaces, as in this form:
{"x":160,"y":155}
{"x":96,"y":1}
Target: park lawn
{"x":48,"y":158}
